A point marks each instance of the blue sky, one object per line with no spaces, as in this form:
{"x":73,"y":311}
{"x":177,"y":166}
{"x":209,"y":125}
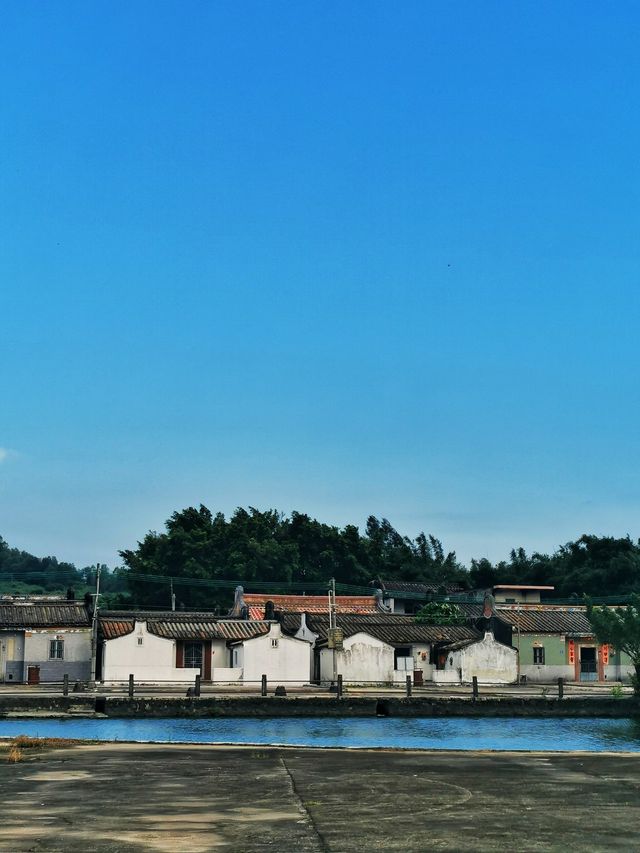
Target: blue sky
{"x":350,"y":259}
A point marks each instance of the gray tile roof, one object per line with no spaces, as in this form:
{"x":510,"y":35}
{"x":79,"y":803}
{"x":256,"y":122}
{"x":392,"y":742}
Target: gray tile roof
{"x":547,"y":620}
{"x":174,"y":625}
{"x":392,"y":586}
{"x":61,"y":614}
{"x":389,"y":628}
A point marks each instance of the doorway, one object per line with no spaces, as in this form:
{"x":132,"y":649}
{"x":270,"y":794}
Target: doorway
{"x":588,"y":663}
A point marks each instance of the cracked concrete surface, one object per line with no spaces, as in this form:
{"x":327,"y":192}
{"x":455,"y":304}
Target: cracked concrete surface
{"x":193,"y":799}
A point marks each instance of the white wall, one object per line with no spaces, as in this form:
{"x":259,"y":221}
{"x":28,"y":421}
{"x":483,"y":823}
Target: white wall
{"x":489,"y":661}
{"x":618,"y":673}
{"x":153,"y":661}
{"x":219,"y":655}
{"x":418,"y":650}
{"x":364,"y":658}
{"x":446,"y":676}
{"x":286,"y":661}
{"x":226,"y":674}
{"x":541,"y":674}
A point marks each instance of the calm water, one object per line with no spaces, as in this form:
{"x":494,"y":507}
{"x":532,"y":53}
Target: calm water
{"x":593,"y":734}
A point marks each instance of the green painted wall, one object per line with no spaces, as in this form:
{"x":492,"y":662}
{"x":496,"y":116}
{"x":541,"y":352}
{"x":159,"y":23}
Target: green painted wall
{"x":555,"y":650}
{"x":555,"y":653}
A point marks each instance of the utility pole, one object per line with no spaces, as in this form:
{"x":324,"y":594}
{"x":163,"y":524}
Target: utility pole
{"x":94,"y":626}
{"x":333,"y":624}
{"x":518,"y":613}
{"x":173,"y":597}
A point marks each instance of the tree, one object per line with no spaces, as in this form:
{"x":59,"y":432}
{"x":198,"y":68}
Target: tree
{"x":440,"y":613}
{"x":619,"y":627}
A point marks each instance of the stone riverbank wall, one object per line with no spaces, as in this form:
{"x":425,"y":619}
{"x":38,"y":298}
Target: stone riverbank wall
{"x":273,"y":706}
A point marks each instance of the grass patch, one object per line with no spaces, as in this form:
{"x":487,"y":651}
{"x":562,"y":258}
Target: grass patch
{"x":15,"y":748}
{"x":15,"y":754}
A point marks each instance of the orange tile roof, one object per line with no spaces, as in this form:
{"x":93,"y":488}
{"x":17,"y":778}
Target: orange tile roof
{"x":308,"y":603}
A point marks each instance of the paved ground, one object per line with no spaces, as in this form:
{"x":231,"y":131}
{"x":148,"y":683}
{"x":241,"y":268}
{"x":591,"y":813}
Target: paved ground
{"x":135,"y":798}
{"x":571,"y":690}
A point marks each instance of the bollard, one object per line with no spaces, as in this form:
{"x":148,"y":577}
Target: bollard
{"x":560,"y":688}
{"x":408,"y":685}
{"x":65,"y":685}
{"x":339,"y":690}
{"x":131,"y":687}
{"x":475,"y":687}
{"x":264,"y":685}
{"x":196,"y":691}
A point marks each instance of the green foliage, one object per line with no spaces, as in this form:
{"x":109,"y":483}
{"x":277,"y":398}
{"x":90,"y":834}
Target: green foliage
{"x":267,"y":546}
{"x":617,"y":692}
{"x":592,"y":565}
{"x":619,"y":627}
{"x":440,"y":613}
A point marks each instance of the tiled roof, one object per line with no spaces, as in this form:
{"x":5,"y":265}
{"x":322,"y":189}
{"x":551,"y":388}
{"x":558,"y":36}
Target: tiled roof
{"x":546,"y":620}
{"x":61,"y":614}
{"x":113,"y":628}
{"x":308,"y":603}
{"x":174,"y":625}
{"x":390,"y":628}
{"x":409,"y":586}
{"x":231,"y":630}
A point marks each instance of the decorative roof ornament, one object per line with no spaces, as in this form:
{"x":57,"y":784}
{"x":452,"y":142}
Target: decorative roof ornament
{"x":239,"y":609}
{"x":380,"y":602}
{"x":489,"y":605}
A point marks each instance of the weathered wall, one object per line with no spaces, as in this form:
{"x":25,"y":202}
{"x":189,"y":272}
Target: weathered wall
{"x":487,"y":660}
{"x":364,"y":659}
{"x":272,"y":706}
{"x":555,"y":651}
{"x":288,"y":661}
{"x":152,"y":661}
{"x":76,"y":662}
{"x":537,"y":674}
{"x":12,"y":656}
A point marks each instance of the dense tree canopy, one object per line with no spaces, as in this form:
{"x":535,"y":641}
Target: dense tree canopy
{"x":253,"y":547}
{"x":620,"y":627}
{"x":592,"y":565}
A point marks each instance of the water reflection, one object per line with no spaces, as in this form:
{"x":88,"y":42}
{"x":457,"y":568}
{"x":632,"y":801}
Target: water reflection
{"x":593,"y":734}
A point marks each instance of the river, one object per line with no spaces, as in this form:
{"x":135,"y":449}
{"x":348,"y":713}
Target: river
{"x":593,"y":734}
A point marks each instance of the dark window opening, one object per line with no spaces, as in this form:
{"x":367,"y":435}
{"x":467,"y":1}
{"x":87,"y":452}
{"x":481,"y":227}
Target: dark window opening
{"x":193,"y":655}
{"x":538,"y":654}
{"x":56,"y":650}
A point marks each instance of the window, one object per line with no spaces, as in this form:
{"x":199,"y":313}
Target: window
{"x":140,"y":641}
{"x":274,"y":644}
{"x":193,"y":655}
{"x":538,"y":654}
{"x":56,"y":649}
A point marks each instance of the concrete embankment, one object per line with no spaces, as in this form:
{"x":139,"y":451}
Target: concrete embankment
{"x":305,"y":706}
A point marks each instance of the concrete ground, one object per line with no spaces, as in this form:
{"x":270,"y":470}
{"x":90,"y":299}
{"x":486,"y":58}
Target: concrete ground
{"x":192,"y":799}
{"x":529,"y":691}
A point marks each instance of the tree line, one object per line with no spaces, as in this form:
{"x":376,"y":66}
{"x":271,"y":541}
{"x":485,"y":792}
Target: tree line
{"x":256,"y":546}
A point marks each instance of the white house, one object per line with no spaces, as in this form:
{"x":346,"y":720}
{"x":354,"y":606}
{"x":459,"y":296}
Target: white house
{"x":129,"y":648}
{"x":486,"y":659}
{"x":44,"y":638}
{"x":175,"y":647}
{"x":379,"y":648}
{"x":281,"y":658}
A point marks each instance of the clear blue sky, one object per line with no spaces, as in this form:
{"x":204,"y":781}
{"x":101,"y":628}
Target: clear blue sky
{"x":350,"y":259}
